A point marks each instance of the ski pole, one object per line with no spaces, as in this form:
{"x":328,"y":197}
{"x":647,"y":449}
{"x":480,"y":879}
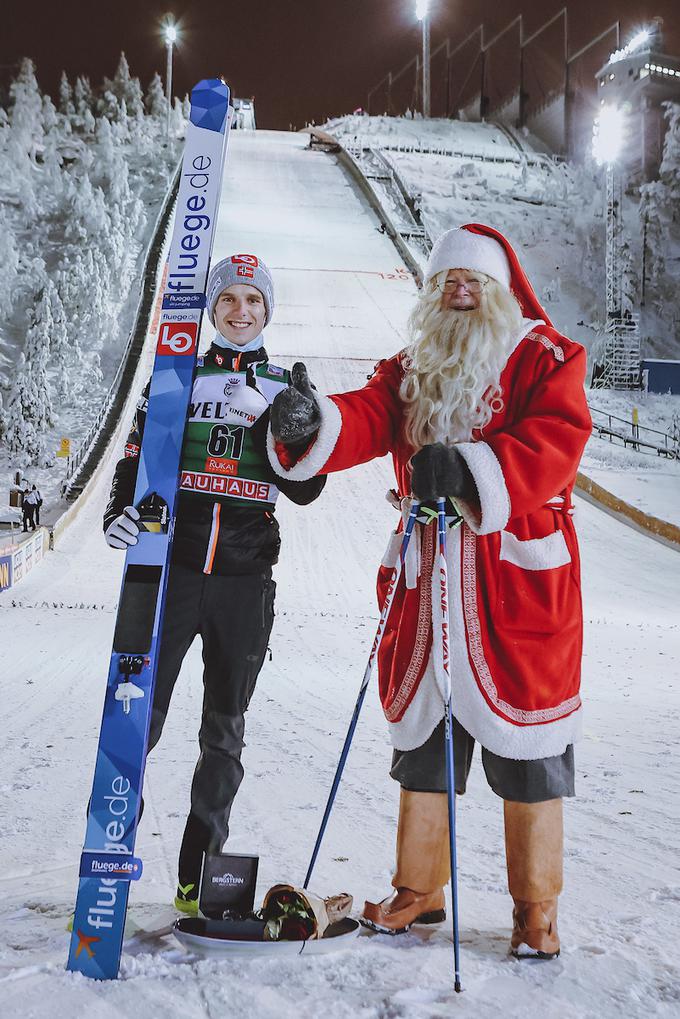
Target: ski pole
{"x":448,"y":733}
{"x":389,"y":597}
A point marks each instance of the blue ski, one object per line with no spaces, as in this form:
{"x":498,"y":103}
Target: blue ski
{"x":113,"y":814}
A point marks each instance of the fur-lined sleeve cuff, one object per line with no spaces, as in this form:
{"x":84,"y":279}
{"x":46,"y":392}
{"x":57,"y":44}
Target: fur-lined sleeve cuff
{"x":314,"y":459}
{"x":494,"y":501}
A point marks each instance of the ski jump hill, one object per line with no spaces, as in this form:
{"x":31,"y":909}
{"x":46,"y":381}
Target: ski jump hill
{"x":341,"y":303}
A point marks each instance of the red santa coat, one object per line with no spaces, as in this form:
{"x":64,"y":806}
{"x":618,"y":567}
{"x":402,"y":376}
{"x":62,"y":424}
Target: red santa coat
{"x":515,"y":597}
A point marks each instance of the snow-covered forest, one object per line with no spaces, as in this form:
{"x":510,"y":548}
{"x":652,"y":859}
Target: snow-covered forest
{"x":81,"y":179}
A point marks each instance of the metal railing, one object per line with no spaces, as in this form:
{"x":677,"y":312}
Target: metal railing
{"x":639,"y":437}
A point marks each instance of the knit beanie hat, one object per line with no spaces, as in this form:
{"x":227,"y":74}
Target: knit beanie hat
{"x":461,"y":249}
{"x":240,"y":269}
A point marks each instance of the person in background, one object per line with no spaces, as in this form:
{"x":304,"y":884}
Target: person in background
{"x":29,"y":504}
{"x":38,"y":503}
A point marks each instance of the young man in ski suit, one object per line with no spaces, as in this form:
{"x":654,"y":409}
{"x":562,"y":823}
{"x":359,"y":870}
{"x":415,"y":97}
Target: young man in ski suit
{"x":225,"y":543}
{"x":486,"y":405}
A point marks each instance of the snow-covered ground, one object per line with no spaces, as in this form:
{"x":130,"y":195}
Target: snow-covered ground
{"x":621,"y":904}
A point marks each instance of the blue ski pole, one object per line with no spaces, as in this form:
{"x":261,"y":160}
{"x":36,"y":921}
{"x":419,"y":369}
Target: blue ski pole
{"x":448,"y":730}
{"x":396,"y":573}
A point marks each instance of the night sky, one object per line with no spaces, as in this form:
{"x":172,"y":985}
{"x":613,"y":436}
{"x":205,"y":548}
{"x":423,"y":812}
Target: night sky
{"x":305,"y":59}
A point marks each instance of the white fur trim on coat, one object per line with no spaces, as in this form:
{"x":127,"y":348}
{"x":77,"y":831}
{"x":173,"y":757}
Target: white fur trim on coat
{"x":311,"y":463}
{"x":494,"y":498}
{"x":535,"y":553}
{"x":531,"y":742}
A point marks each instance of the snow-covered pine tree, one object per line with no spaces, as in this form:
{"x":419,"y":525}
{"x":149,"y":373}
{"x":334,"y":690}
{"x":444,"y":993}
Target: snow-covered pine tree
{"x":630,"y":295}
{"x":670,"y":164}
{"x":121,"y":128}
{"x":66,"y":96}
{"x":126,"y":89}
{"x":30,"y":414}
{"x":62,"y":361}
{"x":82,"y":95}
{"x":26,"y":110}
{"x":178,"y":119}
{"x":154,"y":101}
{"x":9,"y":265}
{"x":50,"y":120}
{"x":653,"y":218}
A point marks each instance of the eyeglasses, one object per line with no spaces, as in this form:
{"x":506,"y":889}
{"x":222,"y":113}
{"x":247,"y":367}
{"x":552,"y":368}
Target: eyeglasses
{"x":472,"y":286}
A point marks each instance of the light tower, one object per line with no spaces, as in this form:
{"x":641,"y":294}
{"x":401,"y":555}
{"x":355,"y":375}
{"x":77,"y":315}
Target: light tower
{"x":423,"y":15}
{"x":619,"y":367}
{"x":170,"y":36}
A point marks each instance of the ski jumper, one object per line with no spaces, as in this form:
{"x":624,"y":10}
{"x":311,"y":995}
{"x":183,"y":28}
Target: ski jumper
{"x":515,"y":597}
{"x":220,"y":584}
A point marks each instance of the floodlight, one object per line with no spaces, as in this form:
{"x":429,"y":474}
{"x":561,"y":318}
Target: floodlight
{"x":639,"y":40}
{"x":422,"y":9}
{"x":170,"y":34}
{"x":608,"y":135}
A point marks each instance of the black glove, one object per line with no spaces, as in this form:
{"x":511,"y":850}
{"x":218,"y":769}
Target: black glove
{"x":440,"y":470}
{"x":295,"y":415}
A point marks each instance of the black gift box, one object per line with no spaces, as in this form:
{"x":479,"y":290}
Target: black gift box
{"x":227,"y":885}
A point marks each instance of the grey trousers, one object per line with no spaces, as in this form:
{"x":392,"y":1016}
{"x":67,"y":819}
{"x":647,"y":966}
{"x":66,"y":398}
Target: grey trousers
{"x":424,"y":769}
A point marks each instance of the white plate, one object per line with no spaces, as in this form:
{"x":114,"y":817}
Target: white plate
{"x":347,"y":931}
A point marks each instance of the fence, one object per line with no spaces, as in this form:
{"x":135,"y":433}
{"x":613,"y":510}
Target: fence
{"x":639,"y":437}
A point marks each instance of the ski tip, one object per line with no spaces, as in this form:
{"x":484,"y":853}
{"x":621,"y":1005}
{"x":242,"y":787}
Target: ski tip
{"x":210,"y":104}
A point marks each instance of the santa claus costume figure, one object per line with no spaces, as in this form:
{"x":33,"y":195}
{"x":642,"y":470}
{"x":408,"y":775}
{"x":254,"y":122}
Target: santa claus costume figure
{"x":486,"y":406}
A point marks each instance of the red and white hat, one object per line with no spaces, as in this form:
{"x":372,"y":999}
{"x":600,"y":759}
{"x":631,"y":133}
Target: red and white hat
{"x":483,"y":249}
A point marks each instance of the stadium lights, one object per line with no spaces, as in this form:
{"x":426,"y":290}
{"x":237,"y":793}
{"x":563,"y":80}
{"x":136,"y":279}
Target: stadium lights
{"x":639,"y":40}
{"x":170,"y":34}
{"x":608,"y":135}
{"x":423,"y":15}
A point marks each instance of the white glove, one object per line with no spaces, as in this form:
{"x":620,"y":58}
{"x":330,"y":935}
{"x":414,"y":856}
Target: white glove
{"x":123,"y":531}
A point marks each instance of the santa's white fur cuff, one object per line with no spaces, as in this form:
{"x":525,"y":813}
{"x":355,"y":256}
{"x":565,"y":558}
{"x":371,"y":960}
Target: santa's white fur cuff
{"x":494,"y":499}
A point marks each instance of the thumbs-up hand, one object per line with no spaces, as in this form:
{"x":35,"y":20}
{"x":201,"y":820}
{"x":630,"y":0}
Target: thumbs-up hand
{"x":295,"y":415}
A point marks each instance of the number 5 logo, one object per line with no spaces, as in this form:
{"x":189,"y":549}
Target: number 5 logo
{"x":177,"y":338}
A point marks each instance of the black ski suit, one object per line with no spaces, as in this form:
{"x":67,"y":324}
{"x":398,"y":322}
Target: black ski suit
{"x":220,"y":586}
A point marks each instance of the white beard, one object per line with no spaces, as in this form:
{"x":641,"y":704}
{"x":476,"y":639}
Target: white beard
{"x":454,"y":364}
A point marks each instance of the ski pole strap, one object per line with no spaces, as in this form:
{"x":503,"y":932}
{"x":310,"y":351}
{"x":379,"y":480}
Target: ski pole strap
{"x":408,"y":530}
{"x":429,"y":512}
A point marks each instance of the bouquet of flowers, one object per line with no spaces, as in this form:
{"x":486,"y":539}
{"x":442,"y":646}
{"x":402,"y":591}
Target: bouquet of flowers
{"x":294,"y":914}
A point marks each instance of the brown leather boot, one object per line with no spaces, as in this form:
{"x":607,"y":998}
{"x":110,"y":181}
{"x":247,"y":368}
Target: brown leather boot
{"x":533,"y":848}
{"x":423,"y":866}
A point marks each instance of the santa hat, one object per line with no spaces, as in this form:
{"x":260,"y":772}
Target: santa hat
{"x":483,"y":249}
